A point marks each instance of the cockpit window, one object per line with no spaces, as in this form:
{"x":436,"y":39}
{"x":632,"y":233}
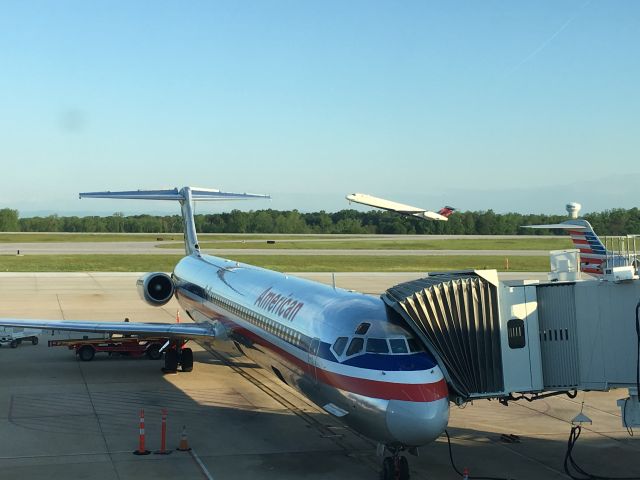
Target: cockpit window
{"x":339,"y":345}
{"x":363,"y":328}
{"x":377,"y":345}
{"x":355,"y":346}
{"x":398,"y":345}
{"x":414,"y":346}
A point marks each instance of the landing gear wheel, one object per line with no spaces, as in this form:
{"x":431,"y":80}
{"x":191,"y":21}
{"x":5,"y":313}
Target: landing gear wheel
{"x":34,"y":340}
{"x":395,"y":468}
{"x":170,"y":361}
{"x":13,"y":344}
{"x":186,"y":359}
{"x":403,"y":468}
{"x":86,"y":353}
{"x":388,"y":470}
{"x":153,"y":352}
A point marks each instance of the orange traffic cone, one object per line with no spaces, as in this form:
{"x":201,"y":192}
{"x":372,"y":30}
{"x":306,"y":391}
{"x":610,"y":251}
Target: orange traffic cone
{"x":177,"y":316}
{"x":184,"y":441}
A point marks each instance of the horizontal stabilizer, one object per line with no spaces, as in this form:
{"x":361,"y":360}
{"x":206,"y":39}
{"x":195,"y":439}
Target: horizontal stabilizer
{"x":563,"y":226}
{"x":197,"y":194}
{"x":186,"y":196}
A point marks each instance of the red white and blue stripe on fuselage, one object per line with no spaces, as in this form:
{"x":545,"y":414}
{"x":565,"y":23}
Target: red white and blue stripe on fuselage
{"x":302,"y":345}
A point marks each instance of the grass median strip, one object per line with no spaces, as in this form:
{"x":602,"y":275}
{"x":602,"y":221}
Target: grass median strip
{"x":284,"y":263}
{"x":46,"y":237}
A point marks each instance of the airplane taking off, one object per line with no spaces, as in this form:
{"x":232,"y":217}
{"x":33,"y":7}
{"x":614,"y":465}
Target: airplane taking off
{"x":347,"y":352}
{"x":401,"y":208}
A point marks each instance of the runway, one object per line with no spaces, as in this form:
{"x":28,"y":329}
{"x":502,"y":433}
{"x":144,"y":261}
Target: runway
{"x":60,"y":418}
{"x":151,"y":248}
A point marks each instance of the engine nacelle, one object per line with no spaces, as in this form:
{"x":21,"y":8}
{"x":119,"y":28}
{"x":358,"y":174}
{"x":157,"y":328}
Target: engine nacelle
{"x":155,"y":288}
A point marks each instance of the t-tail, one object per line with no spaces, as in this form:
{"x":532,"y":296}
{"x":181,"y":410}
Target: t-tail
{"x":594,"y":256}
{"x":593,"y":253}
{"x":446,"y":211}
{"x":186,"y":196}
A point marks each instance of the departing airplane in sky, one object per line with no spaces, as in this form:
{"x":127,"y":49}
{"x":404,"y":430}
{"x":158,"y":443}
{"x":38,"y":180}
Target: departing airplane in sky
{"x":401,"y":208}
{"x":347,"y":352}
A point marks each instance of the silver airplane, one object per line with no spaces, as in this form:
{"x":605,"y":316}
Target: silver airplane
{"x":345,"y":351}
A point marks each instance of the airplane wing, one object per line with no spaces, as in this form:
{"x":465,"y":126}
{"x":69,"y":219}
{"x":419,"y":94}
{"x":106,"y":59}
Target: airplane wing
{"x":401,"y":208}
{"x":175,"y":330}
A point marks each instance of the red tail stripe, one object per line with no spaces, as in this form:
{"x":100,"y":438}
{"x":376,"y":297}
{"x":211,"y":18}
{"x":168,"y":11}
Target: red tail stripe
{"x":591,"y":260}
{"x":592,"y":270}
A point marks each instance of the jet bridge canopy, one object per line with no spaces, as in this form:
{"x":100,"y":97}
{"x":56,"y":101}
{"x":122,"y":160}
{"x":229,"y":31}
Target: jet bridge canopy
{"x":457,"y":316}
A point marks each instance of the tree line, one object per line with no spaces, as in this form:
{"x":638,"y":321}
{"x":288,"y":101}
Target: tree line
{"x":608,"y":222}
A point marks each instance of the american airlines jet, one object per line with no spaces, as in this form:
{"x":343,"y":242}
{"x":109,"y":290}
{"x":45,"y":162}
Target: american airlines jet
{"x":345,"y":351}
{"x":595,"y":258}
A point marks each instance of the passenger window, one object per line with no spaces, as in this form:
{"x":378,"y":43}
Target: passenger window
{"x":338,"y":347}
{"x":362,"y":329}
{"x":377,"y":345}
{"x":398,"y":345}
{"x":414,"y":346}
{"x":355,"y":346}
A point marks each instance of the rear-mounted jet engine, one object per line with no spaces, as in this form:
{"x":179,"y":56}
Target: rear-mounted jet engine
{"x":155,"y":288}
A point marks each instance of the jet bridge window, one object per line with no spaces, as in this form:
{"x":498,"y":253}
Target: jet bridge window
{"x":355,"y":346}
{"x":377,"y":345}
{"x":515,"y":332}
{"x":338,"y":346}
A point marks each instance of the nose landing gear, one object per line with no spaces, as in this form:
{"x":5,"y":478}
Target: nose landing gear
{"x":395,"y":467}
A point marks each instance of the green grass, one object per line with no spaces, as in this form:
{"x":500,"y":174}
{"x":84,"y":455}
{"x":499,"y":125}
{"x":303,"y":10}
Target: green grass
{"x":285,"y":263}
{"x":86,"y":237}
{"x":381,"y":244}
{"x":88,"y":263}
{"x":30,"y":237}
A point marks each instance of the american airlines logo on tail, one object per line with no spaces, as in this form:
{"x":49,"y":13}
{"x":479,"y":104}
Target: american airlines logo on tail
{"x":592,"y":251}
{"x":594,"y":255}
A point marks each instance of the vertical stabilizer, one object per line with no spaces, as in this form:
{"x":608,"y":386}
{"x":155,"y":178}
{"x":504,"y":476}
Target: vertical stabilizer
{"x":592,"y":251}
{"x":186,"y":196}
{"x":595,"y":257}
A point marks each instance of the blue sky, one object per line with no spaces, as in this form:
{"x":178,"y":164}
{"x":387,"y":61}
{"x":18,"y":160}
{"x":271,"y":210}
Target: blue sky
{"x":514,"y":106}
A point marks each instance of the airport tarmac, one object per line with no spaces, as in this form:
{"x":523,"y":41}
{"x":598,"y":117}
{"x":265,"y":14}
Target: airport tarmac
{"x":61,"y":418}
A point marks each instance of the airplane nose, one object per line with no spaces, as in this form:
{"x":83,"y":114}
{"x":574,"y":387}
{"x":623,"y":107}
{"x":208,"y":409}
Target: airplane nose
{"x":417,"y":423}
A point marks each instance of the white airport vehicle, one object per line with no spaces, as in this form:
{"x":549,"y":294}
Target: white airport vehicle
{"x":15,"y":336}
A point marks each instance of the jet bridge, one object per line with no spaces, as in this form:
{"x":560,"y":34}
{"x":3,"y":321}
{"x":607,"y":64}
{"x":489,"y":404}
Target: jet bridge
{"x":494,"y":339}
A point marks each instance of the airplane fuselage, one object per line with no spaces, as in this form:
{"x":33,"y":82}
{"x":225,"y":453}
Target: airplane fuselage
{"x":345,"y":351}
